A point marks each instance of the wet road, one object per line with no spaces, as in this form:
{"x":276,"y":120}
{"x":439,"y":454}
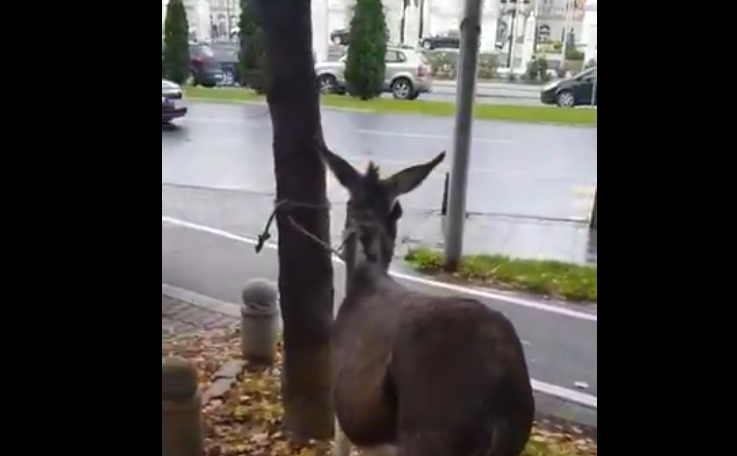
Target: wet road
{"x":517,"y":170}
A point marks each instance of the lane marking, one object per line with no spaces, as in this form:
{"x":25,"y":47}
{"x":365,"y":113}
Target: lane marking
{"x":263,"y":103}
{"x":364,"y":132}
{"x":427,"y":136}
{"x":233,"y":310}
{"x":483,"y":294}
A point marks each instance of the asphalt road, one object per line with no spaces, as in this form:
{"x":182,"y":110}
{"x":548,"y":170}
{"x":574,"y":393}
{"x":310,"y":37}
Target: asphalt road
{"x":561,"y":348}
{"x":518,"y":170}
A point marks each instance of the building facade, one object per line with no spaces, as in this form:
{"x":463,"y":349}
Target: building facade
{"x":217,"y":19}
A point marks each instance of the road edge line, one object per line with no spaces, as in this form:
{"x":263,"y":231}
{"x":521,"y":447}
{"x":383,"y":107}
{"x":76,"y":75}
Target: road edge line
{"x":476,"y":292}
{"x":263,"y":103}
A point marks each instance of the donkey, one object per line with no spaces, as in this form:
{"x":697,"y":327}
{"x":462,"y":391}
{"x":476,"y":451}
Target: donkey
{"x":416,"y":374}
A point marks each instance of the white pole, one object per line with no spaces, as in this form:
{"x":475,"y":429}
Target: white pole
{"x":512,"y":37}
{"x":566,"y":34}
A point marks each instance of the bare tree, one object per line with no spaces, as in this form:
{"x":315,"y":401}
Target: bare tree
{"x":305,"y":268}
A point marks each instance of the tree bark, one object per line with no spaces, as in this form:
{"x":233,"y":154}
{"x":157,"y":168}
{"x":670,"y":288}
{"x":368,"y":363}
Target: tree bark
{"x":305,"y":268}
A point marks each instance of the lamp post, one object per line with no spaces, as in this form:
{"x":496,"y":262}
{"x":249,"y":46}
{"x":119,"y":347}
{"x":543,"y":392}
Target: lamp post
{"x":513,"y":8}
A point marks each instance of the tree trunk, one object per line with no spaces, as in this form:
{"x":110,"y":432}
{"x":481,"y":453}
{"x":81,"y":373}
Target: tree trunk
{"x":305,"y":268}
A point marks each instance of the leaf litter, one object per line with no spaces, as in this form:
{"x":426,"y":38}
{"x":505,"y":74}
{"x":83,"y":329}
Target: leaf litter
{"x":248,"y":420}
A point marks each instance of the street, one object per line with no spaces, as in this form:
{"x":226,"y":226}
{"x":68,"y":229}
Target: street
{"x":530,"y":186}
{"x":516,"y":170}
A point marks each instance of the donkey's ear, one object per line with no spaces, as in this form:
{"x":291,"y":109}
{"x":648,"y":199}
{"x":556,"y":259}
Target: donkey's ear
{"x":410,"y":178}
{"x":346,"y":174}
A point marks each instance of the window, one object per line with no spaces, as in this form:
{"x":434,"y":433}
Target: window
{"x":543,"y":33}
{"x":588,"y":75}
{"x":201,"y":50}
{"x":395,"y":57}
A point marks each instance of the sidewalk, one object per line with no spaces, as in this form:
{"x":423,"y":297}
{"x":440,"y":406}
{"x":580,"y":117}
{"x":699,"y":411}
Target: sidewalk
{"x":492,"y":89}
{"x":246,"y":213}
{"x":181,"y":318}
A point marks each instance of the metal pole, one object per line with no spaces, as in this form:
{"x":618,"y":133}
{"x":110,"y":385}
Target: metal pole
{"x":227,"y":13}
{"x":537,"y":19}
{"x":567,"y":30}
{"x":512,"y":31}
{"x":594,"y":223}
{"x":468,"y":62}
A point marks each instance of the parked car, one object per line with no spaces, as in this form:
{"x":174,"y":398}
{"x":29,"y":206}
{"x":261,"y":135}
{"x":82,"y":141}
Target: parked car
{"x":227,"y":56}
{"x":408,"y":74}
{"x":204,"y":67}
{"x":578,"y":90}
{"x":340,"y":37}
{"x":172,"y":104}
{"x":450,"y":40}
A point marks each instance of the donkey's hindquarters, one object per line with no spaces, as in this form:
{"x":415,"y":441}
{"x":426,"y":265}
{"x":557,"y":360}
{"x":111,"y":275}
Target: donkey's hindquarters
{"x":456,"y":380}
{"x":462,"y":381}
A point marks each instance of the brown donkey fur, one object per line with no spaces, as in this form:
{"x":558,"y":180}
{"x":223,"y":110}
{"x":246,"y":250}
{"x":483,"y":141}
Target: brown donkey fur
{"x":419,"y":374}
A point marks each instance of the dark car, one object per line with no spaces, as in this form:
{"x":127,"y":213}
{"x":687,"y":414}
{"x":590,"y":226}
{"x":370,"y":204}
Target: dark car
{"x":340,"y":37}
{"x":450,"y":40}
{"x":227,"y":56}
{"x":172,"y":105}
{"x":204,"y":67}
{"x":579,"y":90}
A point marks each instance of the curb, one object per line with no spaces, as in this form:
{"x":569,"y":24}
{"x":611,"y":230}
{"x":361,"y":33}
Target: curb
{"x":224,"y":379}
{"x":263,"y":103}
{"x":549,"y":406}
{"x":201,"y":301}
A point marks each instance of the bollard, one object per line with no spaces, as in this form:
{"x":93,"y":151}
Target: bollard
{"x":259,"y":321}
{"x":444,"y":201}
{"x":444,"y":206}
{"x":593,"y":224}
{"x":181,"y":409}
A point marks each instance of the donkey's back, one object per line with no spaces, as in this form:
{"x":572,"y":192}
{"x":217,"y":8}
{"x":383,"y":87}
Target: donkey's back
{"x":434,"y":376}
{"x":462,"y":381}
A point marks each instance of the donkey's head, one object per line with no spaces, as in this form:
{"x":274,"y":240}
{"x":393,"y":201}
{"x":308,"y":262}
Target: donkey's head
{"x":373,"y":206}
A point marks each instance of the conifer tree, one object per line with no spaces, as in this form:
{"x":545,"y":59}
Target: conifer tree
{"x":365,"y":64}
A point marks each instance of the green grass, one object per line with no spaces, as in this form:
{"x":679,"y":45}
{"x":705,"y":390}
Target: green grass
{"x":483,"y":111}
{"x":550,"y":278}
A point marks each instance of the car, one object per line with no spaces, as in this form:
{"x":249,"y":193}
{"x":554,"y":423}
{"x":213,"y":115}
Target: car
{"x":227,"y":56}
{"x":340,"y":37}
{"x":408,"y":74}
{"x":204,"y":67}
{"x":578,"y":90}
{"x":449,"y":40}
{"x":172,"y":105}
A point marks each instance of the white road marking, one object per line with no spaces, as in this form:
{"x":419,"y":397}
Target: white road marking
{"x":263,"y":103}
{"x":233,"y":310}
{"x":361,"y":131}
{"x":426,"y":136}
{"x":484,"y":294}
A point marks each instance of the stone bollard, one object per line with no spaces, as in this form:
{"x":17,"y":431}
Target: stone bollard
{"x":181,"y":409}
{"x":259,"y":321}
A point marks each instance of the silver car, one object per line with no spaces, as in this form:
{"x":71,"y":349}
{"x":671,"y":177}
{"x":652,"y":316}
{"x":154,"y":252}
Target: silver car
{"x":408,"y":74}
